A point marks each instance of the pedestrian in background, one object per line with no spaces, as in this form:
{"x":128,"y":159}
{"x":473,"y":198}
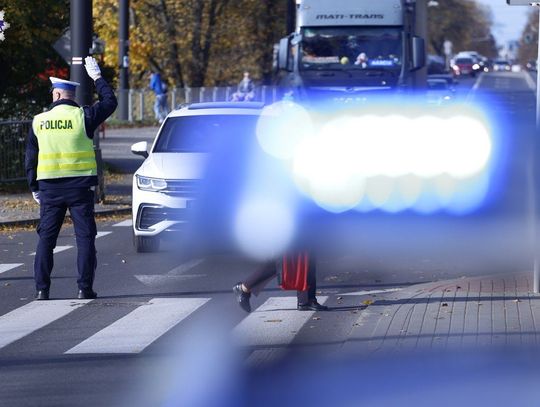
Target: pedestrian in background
{"x":245,"y":91}
{"x":61,"y":171}
{"x":307,"y":300}
{"x":160,"y":90}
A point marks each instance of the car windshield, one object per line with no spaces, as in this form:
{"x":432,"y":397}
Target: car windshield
{"x":202,"y":133}
{"x":351,"y":48}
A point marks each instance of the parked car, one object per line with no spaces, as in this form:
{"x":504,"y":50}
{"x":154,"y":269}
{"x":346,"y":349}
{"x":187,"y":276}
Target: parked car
{"x":166,"y":184}
{"x":435,"y":64}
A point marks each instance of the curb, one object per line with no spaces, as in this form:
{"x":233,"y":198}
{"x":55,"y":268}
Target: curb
{"x":35,"y":221}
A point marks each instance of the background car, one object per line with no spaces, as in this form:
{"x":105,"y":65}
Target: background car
{"x":168,"y":181}
{"x":465,"y":66}
{"x":500,"y":65}
{"x":439,"y":91}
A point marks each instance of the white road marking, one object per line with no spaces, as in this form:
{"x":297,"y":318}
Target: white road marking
{"x":182,"y":268}
{"x":33,"y":316}
{"x":163,"y":280}
{"x":124,"y":223}
{"x":530,"y":82}
{"x":172,"y":276}
{"x":138,"y":329}
{"x":57,"y":249}
{"x":276,"y":322}
{"x":9,"y":266}
{"x":101,"y":234}
{"x":368,"y":292}
{"x":475,"y":87}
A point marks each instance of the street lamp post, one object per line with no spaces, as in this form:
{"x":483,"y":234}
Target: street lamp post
{"x":123,"y":60}
{"x":81,"y":46}
{"x":533,"y":160}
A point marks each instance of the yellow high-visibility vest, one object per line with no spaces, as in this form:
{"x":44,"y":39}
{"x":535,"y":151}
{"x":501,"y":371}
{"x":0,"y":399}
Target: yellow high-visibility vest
{"x":64,"y":148}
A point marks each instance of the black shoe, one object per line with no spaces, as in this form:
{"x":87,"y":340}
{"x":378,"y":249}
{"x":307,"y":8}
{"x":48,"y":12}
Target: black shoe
{"x":312,"y":305}
{"x":87,"y":294}
{"x":42,"y":295}
{"x":242,"y":297}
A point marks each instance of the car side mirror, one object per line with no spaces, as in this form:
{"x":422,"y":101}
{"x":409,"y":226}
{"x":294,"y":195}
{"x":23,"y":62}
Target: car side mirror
{"x":140,"y":148}
{"x":418,"y":47}
{"x":283,"y":54}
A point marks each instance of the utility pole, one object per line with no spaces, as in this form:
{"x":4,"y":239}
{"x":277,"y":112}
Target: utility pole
{"x":81,"y":44}
{"x":123,"y":60}
{"x":291,"y":16}
{"x":533,"y":160}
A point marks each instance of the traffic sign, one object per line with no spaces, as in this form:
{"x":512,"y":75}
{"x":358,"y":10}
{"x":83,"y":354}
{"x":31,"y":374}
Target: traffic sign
{"x":447,"y":47}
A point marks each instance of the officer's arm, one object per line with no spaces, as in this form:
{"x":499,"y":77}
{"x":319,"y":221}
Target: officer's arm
{"x":31,"y":160}
{"x":96,"y":114}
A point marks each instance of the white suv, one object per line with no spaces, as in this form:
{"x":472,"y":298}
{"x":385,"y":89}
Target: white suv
{"x":166,"y":183}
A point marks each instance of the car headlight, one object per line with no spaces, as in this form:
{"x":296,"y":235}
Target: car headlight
{"x":476,"y":67}
{"x":151,"y":184}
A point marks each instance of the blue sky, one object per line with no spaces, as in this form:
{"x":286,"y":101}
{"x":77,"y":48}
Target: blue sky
{"x":509,"y":20}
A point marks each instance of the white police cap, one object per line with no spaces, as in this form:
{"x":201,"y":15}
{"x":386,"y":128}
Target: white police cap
{"x":63,"y":84}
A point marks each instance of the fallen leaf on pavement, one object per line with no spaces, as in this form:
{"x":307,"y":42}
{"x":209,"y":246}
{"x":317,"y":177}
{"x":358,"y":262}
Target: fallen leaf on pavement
{"x":367,"y":302}
{"x":316,"y":318}
{"x":274,"y":320}
{"x":444,"y":304}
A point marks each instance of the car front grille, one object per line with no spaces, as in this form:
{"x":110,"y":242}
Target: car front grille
{"x":181,"y":187}
{"x":150,"y":215}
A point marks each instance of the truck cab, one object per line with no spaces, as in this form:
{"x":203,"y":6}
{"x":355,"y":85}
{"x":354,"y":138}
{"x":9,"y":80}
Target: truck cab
{"x":343,"y":47}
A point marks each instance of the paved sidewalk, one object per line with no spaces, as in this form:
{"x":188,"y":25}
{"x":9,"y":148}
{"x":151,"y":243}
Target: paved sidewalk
{"x":491,"y":311}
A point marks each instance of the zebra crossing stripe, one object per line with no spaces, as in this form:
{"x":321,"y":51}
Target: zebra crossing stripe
{"x":33,"y":316}
{"x":57,"y":249}
{"x":8,"y":266}
{"x":124,"y":223}
{"x":276,"y":322}
{"x":101,"y":234}
{"x":138,"y":329}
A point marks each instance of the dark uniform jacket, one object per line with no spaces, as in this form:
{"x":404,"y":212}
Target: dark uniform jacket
{"x":93,"y":116}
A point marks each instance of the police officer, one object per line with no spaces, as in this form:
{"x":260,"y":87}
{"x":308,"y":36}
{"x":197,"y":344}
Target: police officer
{"x":62,"y":173}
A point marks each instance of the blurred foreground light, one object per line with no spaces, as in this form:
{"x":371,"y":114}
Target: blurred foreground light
{"x":263,"y":228}
{"x":281,"y":127}
{"x":395,"y":162}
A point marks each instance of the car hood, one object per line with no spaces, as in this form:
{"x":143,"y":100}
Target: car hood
{"x":174,"y":165}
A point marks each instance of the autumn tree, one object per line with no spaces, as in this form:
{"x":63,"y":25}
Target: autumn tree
{"x":528,"y":45}
{"x":463,"y":22}
{"x":27,"y":57}
{"x":195,"y":42}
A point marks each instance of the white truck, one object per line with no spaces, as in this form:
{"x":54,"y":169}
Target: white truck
{"x":347,"y":47}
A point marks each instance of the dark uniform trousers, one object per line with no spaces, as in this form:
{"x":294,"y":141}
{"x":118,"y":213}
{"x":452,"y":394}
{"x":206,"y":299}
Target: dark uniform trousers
{"x":53,"y":207}
{"x":262,"y":276}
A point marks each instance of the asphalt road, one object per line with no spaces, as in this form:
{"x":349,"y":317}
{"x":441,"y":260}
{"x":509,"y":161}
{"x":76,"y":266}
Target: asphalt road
{"x":165,"y":329}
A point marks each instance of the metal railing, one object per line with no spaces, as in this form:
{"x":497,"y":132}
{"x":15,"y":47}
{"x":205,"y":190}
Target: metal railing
{"x":141,"y":107}
{"x":13,"y":144}
{"x":141,"y":101}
